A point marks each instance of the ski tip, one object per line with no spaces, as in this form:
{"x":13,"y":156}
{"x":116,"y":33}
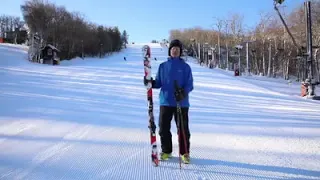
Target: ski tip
{"x":156,"y":163}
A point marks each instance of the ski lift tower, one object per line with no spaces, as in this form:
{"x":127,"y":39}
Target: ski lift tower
{"x":238,"y":67}
{"x":309,"y":83}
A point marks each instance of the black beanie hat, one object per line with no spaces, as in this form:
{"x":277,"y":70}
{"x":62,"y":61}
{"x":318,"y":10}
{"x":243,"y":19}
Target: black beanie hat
{"x":175,"y":42}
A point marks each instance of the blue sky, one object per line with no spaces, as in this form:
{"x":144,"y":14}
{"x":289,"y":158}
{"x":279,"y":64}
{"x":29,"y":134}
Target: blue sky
{"x":145,"y":20}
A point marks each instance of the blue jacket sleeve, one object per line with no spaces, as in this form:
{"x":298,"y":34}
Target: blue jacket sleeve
{"x":157,"y":84}
{"x":189,"y":81}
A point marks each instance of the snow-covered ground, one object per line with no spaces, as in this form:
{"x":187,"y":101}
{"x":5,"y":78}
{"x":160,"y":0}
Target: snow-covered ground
{"x":87,"y":119}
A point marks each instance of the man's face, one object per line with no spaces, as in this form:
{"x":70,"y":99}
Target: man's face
{"x":175,"y":51}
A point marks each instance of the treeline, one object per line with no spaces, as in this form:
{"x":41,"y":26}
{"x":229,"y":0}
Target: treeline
{"x":162,"y":41}
{"x":69,"y":31}
{"x":271,"y":50}
{"x":11,"y":29}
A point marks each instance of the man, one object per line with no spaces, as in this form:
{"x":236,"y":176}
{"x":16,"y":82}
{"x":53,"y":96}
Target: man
{"x":174,"y":69}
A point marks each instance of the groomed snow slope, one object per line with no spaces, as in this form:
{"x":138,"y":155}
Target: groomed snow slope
{"x":87,"y":119}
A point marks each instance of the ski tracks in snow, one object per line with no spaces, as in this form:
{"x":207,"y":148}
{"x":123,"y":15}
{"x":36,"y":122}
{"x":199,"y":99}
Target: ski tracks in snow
{"x":13,"y":129}
{"x":90,"y":122}
{"x":52,"y":152}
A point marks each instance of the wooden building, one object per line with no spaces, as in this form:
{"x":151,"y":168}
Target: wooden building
{"x":50,"y":55}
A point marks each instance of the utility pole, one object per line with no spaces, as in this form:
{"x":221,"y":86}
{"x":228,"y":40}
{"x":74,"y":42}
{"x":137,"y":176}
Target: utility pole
{"x":219,"y":65}
{"x":239,"y":48}
{"x":239,"y":62}
{"x":310,"y":81}
{"x":317,"y":64}
{"x":310,"y":78}
{"x":269,"y":62}
{"x":199,"y":52}
{"x":219,"y":26}
{"x":247,"y":57}
{"x":227,"y":56}
{"x":226,"y":40}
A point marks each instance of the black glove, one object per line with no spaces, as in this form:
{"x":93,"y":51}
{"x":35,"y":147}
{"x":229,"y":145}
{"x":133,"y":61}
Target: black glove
{"x":179,"y":94}
{"x":145,"y":81}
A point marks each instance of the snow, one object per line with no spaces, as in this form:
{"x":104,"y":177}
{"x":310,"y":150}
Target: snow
{"x":87,"y":119}
{"x":14,"y":46}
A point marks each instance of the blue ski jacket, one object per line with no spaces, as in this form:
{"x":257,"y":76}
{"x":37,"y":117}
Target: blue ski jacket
{"x":169,"y":71}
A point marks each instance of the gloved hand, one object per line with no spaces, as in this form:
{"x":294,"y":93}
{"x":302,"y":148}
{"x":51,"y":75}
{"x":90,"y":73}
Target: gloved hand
{"x":179,"y":94}
{"x":145,"y":81}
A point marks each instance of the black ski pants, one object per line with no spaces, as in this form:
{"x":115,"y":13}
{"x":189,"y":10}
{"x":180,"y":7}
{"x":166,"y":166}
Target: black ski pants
{"x":165,"y":117}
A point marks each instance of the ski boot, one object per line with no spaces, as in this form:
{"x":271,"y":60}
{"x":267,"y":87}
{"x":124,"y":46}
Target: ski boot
{"x":185,"y":158}
{"x":165,"y":156}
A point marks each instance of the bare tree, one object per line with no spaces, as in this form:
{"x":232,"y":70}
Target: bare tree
{"x":219,"y":25}
{"x":69,"y":32}
{"x":273,"y":51}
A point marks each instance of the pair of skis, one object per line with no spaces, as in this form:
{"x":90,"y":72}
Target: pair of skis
{"x":152,"y":126}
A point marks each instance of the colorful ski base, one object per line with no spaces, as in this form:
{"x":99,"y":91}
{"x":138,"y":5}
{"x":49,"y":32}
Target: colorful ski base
{"x":152,"y":126}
